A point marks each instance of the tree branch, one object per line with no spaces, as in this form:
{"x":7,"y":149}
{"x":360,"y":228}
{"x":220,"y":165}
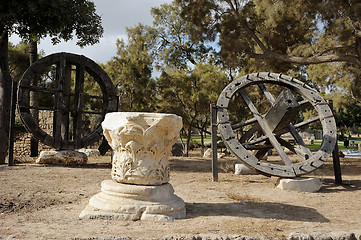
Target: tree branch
{"x":268,"y":54}
{"x":247,"y":28}
{"x":354,"y":98}
{"x":308,"y":60}
{"x":334,"y":48}
{"x":3,"y":33}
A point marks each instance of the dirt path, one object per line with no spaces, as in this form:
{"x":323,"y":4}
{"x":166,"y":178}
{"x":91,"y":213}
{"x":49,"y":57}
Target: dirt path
{"x":44,"y":202}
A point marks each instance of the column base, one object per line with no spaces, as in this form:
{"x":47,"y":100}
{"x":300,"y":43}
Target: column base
{"x":120,"y":201}
{"x":299,"y":184}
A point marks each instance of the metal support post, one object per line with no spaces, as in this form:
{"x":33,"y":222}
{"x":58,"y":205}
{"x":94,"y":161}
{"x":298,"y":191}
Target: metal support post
{"x":214,"y":141}
{"x":336,"y":157}
{"x":12,"y":124}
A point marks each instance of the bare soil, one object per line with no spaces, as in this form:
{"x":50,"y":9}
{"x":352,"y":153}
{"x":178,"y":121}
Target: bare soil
{"x":44,"y":202}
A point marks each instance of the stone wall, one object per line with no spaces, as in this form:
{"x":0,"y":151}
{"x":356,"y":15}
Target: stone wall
{"x":22,"y":141}
{"x":22,"y":146}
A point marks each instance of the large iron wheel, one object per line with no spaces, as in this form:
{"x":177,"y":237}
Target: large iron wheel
{"x":67,"y":96}
{"x":274,"y":127}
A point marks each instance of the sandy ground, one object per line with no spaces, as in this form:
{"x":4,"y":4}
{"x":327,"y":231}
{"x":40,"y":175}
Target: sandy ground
{"x":44,"y":202}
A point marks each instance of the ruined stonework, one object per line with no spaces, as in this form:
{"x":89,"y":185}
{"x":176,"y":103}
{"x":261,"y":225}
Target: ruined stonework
{"x":22,"y":140}
{"x":142,"y":143}
{"x":139,"y":189}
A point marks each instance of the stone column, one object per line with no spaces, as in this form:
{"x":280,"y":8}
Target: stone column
{"x":139,"y":189}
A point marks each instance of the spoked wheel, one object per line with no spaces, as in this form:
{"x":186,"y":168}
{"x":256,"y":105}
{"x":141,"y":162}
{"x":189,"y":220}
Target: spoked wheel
{"x":63,"y":79}
{"x":271,"y":109}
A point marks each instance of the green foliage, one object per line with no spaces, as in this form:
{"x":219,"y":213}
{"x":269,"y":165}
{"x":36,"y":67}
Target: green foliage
{"x":349,"y":118}
{"x":175,"y":46}
{"x":18,"y":59}
{"x":36,"y":19}
{"x":131,"y":70}
{"x":284,"y":36}
{"x":189,"y":93}
{"x":19,"y":127}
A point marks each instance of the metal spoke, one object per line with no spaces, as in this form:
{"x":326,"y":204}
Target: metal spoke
{"x":253,"y":120}
{"x":79,"y":89}
{"x":250,"y":148}
{"x":265,"y":128}
{"x":245,"y":123}
{"x":291,"y":128}
{"x":66,"y":104}
{"x":58,"y":115}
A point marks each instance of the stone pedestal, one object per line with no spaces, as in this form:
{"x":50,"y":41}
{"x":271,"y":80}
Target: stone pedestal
{"x":139,"y":189}
{"x":241,"y":169}
{"x":300,"y":184}
{"x":135,"y":202}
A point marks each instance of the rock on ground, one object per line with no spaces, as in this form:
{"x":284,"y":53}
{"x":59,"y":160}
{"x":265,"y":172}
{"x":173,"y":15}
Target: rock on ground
{"x":62,"y":157}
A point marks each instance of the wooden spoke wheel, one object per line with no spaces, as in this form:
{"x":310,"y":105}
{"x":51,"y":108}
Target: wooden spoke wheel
{"x":61,"y":78}
{"x":270,"y":108}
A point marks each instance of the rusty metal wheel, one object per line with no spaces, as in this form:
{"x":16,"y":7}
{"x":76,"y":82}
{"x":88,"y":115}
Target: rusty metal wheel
{"x":271,"y":121}
{"x":61,"y":78}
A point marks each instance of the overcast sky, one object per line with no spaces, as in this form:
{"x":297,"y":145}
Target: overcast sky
{"x":116,"y":16}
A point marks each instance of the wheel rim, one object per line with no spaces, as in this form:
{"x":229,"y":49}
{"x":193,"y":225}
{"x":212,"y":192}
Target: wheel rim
{"x":271,"y":135}
{"x":64,"y":63}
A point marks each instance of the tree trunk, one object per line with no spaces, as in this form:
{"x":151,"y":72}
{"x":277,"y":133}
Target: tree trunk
{"x":189,"y":134}
{"x":202,"y":142}
{"x":33,"y":56}
{"x":5,"y":96}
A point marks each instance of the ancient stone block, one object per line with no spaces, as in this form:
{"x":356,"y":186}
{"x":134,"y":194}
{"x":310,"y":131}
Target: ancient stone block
{"x":63,"y":157}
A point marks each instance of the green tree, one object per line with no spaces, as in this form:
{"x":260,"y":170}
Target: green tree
{"x":175,"y":47}
{"x":284,"y":34}
{"x":18,"y":59}
{"x":287,"y":31}
{"x":189,"y":94}
{"x":36,"y":19}
{"x":348,"y":118}
{"x":131,"y":70}
{"x":318,"y":41}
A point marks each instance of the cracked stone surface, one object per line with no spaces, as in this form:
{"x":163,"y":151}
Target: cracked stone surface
{"x":135,"y":202}
{"x":139,"y":189}
{"x":142,"y":144}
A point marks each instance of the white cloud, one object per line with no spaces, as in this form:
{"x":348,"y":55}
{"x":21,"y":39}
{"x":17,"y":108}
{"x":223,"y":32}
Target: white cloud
{"x":116,"y":16}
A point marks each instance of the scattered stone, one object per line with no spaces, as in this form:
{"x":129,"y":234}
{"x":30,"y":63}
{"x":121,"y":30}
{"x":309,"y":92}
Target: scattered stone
{"x":322,"y":236}
{"x":90,"y":152}
{"x":62,"y":157}
{"x":208,"y":154}
{"x":241,"y":169}
{"x":300,"y":236}
{"x":299,"y":184}
{"x":344,"y":236}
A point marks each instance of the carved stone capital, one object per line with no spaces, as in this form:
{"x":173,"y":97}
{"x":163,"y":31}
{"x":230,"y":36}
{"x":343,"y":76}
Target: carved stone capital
{"x":142,"y":143}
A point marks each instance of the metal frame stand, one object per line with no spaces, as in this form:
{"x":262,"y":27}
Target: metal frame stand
{"x":336,"y":157}
{"x":214,"y":141}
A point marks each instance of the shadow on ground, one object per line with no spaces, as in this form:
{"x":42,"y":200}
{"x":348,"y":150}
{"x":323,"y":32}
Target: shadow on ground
{"x":265,"y":210}
{"x":329,"y":186}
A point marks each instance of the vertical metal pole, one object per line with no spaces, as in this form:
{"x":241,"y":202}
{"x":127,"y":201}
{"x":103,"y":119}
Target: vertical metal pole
{"x":12,"y":123}
{"x":214,"y":142}
{"x":336,"y":157}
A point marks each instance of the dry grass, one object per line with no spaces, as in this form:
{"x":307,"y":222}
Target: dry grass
{"x":238,"y":198}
